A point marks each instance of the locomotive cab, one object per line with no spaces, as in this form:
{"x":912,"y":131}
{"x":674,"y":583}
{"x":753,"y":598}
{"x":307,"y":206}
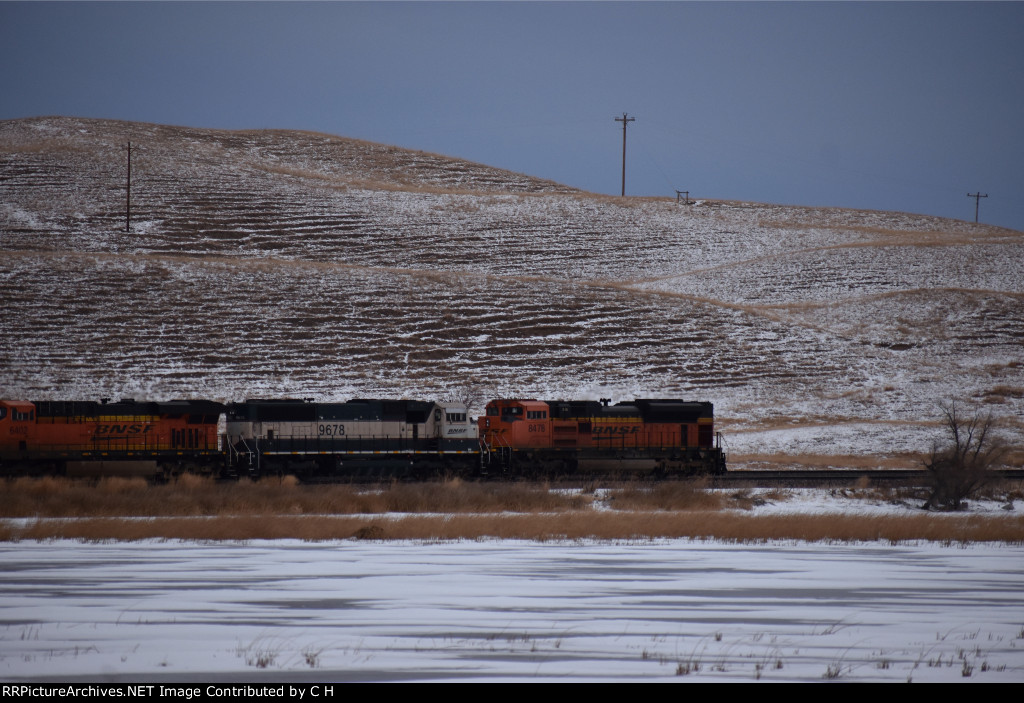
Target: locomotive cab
{"x":454,"y":428}
{"x":516,"y":423}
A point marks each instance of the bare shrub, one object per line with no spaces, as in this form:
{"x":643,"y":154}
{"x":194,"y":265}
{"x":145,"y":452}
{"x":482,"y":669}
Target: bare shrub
{"x":312,"y":657}
{"x":373,"y":532}
{"x":964,"y":465}
{"x":471,"y":394}
{"x":833,"y":671}
{"x":258,"y":656}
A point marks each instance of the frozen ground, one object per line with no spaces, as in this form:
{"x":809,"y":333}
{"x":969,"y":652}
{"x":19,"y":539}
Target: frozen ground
{"x":503,"y":610}
{"x":290,"y":264}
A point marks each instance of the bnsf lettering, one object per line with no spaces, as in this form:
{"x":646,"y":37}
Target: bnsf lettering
{"x":137,"y":428}
{"x":611,"y":429}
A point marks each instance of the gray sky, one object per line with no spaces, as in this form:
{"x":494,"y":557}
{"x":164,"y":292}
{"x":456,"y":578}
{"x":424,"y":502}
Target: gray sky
{"x":892,"y":106}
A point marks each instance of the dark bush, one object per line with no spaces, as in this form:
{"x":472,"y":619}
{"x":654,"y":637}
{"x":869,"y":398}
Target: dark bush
{"x":964,"y":465}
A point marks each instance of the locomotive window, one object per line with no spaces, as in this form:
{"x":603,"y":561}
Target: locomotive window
{"x":3,"y":413}
{"x":455,"y":417}
{"x":493,"y":412}
{"x":536,"y":414}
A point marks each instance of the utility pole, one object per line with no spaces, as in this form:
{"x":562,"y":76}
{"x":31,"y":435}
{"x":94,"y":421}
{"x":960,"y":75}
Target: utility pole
{"x":624,"y":120}
{"x":977,"y":199}
{"x":128,"y":193}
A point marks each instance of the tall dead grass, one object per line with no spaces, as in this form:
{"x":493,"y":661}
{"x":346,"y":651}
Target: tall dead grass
{"x":194,"y":508}
{"x":681,"y":495}
{"x":571,"y":525}
{"x":197,"y":496}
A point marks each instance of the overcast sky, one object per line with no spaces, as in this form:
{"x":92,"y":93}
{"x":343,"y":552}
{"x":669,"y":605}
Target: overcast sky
{"x":902,"y":106}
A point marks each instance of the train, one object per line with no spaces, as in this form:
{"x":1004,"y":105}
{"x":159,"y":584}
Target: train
{"x":360,"y":438}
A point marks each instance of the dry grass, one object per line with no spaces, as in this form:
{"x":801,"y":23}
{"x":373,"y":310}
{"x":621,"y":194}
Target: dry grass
{"x":195,"y":496}
{"x":199,"y":509}
{"x":570,"y":525}
{"x":676,"y":495}
{"x":820,"y":461}
{"x":1002,"y":491}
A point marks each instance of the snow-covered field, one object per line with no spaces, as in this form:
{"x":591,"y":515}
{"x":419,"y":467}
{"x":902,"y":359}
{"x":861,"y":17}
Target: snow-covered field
{"x":485,"y":610}
{"x":503,"y":610}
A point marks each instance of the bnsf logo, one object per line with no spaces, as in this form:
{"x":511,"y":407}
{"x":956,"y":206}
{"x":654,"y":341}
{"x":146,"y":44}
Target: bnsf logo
{"x":612,"y":429}
{"x":137,"y":428}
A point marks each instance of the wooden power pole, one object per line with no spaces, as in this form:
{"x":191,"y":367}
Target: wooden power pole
{"x":128,"y":193}
{"x":624,"y":120}
{"x":977,"y":199}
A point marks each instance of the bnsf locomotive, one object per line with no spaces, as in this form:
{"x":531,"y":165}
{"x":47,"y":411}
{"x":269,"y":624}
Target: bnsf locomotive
{"x":360,"y":437}
{"x":643,"y":436}
{"x":413,"y":438}
{"x":100,"y":438}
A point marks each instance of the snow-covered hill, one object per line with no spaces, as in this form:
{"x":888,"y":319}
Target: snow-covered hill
{"x":274,"y":263}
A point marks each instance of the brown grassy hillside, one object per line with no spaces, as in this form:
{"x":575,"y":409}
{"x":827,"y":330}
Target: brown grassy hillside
{"x":274,"y":263}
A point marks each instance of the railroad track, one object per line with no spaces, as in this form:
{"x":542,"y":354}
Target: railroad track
{"x":793,"y":478}
{"x":836,"y":478}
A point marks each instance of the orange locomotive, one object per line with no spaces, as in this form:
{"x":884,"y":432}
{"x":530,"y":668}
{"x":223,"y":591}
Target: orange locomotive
{"x":126,"y":437}
{"x":660,"y":437}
